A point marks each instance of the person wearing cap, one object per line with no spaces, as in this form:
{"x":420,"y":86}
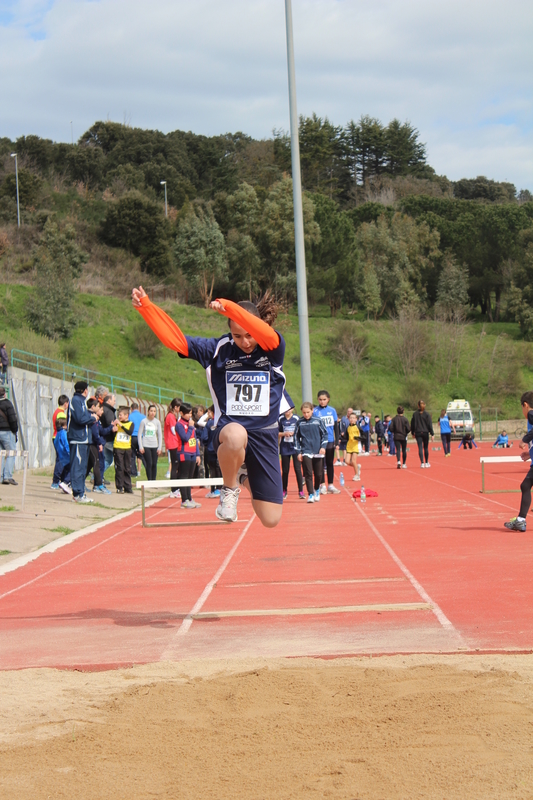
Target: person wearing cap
{"x":8,"y":436}
{"x":79,"y":438}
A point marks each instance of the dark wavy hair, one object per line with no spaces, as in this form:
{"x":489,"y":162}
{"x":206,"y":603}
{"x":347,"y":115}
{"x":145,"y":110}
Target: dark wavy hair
{"x":266,"y":307}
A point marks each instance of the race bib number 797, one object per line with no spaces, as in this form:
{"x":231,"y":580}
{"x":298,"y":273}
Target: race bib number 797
{"x":247,"y":394}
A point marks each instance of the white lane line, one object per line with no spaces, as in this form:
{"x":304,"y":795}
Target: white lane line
{"x":197,"y":607}
{"x":312,"y":610}
{"x":439,"y":613}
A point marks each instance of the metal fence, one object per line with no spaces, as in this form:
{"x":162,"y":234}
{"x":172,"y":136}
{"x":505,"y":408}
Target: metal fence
{"x":72,"y":372}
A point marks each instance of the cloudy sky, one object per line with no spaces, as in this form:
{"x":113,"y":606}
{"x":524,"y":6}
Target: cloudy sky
{"x":460,"y":70}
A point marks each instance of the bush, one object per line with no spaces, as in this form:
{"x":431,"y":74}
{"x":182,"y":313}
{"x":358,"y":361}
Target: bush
{"x":415,"y":389}
{"x":145,"y":342}
{"x":349,"y":345}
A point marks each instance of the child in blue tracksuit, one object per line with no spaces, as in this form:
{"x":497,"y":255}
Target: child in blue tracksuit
{"x":379,"y":427}
{"x":207,"y":434}
{"x":188,"y":453}
{"x":502,"y":440}
{"x":96,"y":460}
{"x":62,"y":452}
{"x":328,"y":415}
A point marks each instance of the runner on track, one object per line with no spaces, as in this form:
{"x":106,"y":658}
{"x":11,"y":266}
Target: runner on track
{"x":328,"y":415}
{"x":245,"y":375}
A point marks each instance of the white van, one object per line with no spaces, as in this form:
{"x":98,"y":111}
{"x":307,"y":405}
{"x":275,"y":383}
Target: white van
{"x":461,"y":418}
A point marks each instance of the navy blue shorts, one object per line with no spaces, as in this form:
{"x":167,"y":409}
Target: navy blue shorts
{"x":262,"y":462}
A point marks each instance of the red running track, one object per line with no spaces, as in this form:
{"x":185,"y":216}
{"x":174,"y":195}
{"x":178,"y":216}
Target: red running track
{"x":425,"y":567}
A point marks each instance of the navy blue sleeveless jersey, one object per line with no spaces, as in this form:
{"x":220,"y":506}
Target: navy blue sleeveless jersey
{"x":246,"y":388}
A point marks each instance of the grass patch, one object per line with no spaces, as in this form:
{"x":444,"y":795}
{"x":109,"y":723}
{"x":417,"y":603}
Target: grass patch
{"x":5,"y":552}
{"x":61,"y":529}
{"x":7,"y":508}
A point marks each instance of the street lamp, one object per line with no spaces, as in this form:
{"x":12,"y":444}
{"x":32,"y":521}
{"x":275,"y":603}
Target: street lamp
{"x":301,"y":277}
{"x":14,"y":155}
{"x":164,"y":183}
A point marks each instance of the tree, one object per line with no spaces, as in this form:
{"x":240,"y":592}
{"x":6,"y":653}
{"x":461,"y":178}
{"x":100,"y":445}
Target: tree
{"x":349,"y":345}
{"x":277,"y":237}
{"x":200,"y":252}
{"x":334,"y":263}
{"x":452,"y":291}
{"x":58,"y":261}
{"x":137,"y":224}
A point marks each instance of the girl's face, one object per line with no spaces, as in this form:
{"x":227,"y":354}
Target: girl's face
{"x":151,"y":413}
{"x":307,"y":413}
{"x":186,"y":417}
{"x":244,"y":340}
{"x":288,"y":414}
{"x":323,"y":401}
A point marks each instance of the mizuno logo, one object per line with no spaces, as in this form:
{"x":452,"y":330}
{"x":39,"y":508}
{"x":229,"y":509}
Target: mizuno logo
{"x":247,"y":377}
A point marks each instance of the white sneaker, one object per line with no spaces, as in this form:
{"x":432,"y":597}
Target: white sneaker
{"x":323,"y":489}
{"x":83,"y":499}
{"x":175,"y":493}
{"x":65,"y":488}
{"x":338,"y":463}
{"x":428,"y":465}
{"x":333,"y":489}
{"x":311,"y":498}
{"x":190,"y":504}
{"x":317,"y":496}
{"x":404,"y":466}
{"x":422,"y":466}
{"x":227,"y":507}
{"x":356,"y":478}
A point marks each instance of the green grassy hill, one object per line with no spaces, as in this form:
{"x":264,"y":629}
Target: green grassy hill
{"x":491,"y":365}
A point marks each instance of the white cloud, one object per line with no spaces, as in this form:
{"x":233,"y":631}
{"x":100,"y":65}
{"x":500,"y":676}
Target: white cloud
{"x":461,"y":72}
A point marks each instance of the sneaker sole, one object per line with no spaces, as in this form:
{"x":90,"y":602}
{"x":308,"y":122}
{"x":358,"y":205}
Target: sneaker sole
{"x":225,"y":519}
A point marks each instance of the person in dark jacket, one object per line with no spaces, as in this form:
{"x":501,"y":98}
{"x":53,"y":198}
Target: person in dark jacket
{"x":422,"y":429}
{"x":399,"y":428}
{"x":287,"y":426}
{"x":379,"y":428}
{"x":310,"y":442}
{"x":79,"y":418}
{"x":96,"y":461}
{"x":4,"y":361}
{"x":8,"y":436}
{"x":108,"y":417}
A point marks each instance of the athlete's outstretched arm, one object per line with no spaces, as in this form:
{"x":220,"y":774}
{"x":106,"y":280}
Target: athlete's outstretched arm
{"x":265,"y":336}
{"x":162,"y":325}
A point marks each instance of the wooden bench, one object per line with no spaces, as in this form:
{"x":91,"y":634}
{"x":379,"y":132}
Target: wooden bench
{"x":497,"y":460}
{"x":176,"y":484}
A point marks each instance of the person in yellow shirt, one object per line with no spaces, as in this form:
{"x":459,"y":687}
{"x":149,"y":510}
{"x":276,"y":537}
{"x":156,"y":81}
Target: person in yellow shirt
{"x":352,"y":446}
{"x":122,"y":451}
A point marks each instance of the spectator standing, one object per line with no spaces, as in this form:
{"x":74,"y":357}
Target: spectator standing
{"x":136,"y":457}
{"x":364,"y":427}
{"x":62,"y":457}
{"x":8,"y":436}
{"x":343,"y":437}
{"x":310,"y":440}
{"x":150,"y":442}
{"x":212,"y":467}
{"x":122,"y":451}
{"x":59,"y":414}
{"x":100,"y":394}
{"x":288,"y":452}
{"x":198,"y":413}
{"x":108,"y":417}
{"x":422,"y":429}
{"x":389,"y":436}
{"x":79,"y":418}
{"x":328,"y":415}
{"x":399,"y":427}
{"x":4,"y":361}
{"x":188,"y":453}
{"x":96,"y":460}
{"x":445,"y":432}
{"x":379,"y":428}
{"x":171,"y":440}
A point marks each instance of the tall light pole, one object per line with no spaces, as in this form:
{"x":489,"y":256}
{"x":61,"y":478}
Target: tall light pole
{"x":71,"y":132}
{"x":301,"y":276}
{"x":14,"y":155}
{"x":166,"y":207}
